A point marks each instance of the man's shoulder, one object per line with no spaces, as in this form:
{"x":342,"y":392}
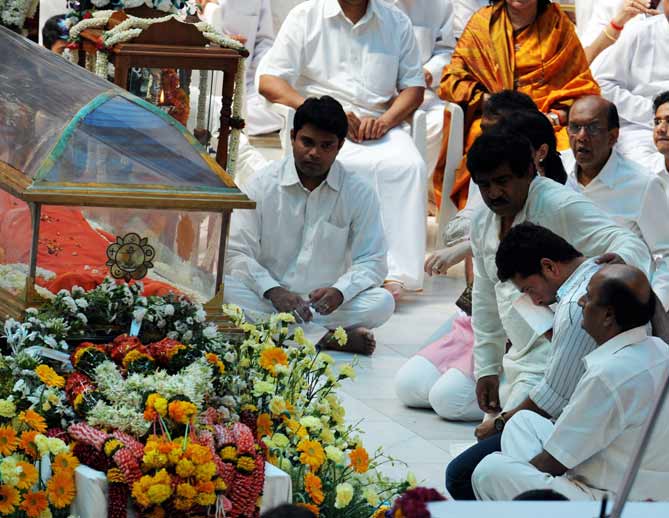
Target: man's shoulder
{"x":264,"y":179}
{"x":547,"y":193}
{"x":304,"y":10}
{"x":392,"y":13}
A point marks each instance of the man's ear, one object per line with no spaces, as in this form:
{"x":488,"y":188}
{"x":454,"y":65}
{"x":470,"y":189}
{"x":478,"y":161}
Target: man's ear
{"x":542,"y":152}
{"x":609,"y":319}
{"x":549,"y":268}
{"x":292,"y":134}
{"x":613,"y":136}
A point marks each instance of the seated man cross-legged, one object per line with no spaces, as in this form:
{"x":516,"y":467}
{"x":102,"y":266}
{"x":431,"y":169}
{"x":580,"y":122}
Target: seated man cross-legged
{"x":585,"y":454}
{"x":314,"y":245}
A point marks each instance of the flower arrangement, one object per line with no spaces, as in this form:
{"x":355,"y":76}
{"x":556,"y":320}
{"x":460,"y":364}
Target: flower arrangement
{"x":14,"y":13}
{"x":412,"y":504}
{"x":286,"y":390}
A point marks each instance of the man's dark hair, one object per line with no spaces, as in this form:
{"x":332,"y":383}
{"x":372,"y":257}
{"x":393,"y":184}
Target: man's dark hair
{"x":523,"y":248}
{"x":288,"y":511}
{"x":325,"y":113}
{"x":535,"y":127}
{"x":507,"y":101}
{"x":491,"y":151}
{"x":629,"y":311}
{"x":661,"y":99}
{"x":54,"y":29}
{"x":541,"y":494}
{"x":612,"y":118}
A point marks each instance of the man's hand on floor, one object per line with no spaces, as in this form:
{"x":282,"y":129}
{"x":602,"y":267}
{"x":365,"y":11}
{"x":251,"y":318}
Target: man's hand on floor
{"x":286,"y":301}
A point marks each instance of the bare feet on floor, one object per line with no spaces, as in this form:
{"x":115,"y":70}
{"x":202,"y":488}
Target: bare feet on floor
{"x":360,"y":341}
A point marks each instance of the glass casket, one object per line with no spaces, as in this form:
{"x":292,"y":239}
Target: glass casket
{"x":94,"y":180}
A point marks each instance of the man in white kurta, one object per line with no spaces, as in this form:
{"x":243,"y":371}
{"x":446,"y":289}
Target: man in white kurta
{"x":586,"y":453}
{"x":311,"y":244}
{"x":320,"y":51}
{"x":433,"y":27}
{"x":634,"y":197}
{"x":252,"y":21}
{"x":631,"y":73}
{"x":494,"y":319}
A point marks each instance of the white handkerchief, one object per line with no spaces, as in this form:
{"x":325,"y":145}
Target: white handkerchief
{"x":540,"y":318}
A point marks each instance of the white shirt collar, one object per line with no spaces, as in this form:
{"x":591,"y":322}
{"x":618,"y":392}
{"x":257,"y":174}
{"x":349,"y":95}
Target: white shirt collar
{"x":615,"y":344}
{"x":289,"y":175}
{"x":332,"y":9}
{"x":609,"y":173}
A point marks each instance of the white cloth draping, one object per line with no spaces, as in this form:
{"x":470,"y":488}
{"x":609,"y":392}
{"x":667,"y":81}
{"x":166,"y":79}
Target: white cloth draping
{"x":463,"y":12}
{"x":631,"y":74}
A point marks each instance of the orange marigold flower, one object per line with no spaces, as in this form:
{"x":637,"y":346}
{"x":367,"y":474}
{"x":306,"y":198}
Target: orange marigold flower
{"x":34,"y":504}
{"x":181,"y":412}
{"x":216,"y":361}
{"x":33,"y":420}
{"x":28,"y":475}
{"x":314,"y":488}
{"x":49,"y":377}
{"x":314,"y":509}
{"x":27,"y":443}
{"x":272,"y":357}
{"x":65,"y":461}
{"x":312,"y":454}
{"x":264,"y":425}
{"x":61,"y":489}
{"x":8,"y":440}
{"x":359,"y":460}
{"x":9,"y":499}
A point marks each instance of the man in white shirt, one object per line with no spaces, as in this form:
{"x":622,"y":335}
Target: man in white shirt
{"x":585,"y":454}
{"x":433,"y":27}
{"x":632,"y":196}
{"x":661,"y":133}
{"x":463,"y":12}
{"x":503,"y":168}
{"x":314,"y":245}
{"x":631,"y":73}
{"x":250,"y":21}
{"x":364,"y":54}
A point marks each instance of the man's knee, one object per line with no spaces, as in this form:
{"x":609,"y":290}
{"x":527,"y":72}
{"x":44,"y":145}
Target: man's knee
{"x":453,"y":397}
{"x":487,"y":474}
{"x":377,"y":306}
{"x":414,"y":380}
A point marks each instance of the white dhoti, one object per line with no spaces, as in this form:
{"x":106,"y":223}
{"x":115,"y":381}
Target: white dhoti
{"x":434,"y":108}
{"x":398,"y":174}
{"x":249,"y":160}
{"x":259,"y":120}
{"x":370,"y":309}
{"x":505,"y":475}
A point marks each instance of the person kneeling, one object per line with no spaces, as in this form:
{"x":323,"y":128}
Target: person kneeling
{"x":585,"y":454}
{"x":314,"y":245}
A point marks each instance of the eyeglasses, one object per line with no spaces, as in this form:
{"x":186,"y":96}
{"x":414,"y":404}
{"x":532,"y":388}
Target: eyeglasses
{"x":658,"y":121}
{"x":592,"y":129}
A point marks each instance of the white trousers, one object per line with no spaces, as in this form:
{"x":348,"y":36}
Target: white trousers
{"x":434,"y":108}
{"x":259,"y":119}
{"x":505,"y":475}
{"x":249,"y":160}
{"x":370,"y":309}
{"x":398,"y":174}
{"x":452,"y":395}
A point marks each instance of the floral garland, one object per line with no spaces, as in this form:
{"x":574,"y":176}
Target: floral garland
{"x":13,"y":13}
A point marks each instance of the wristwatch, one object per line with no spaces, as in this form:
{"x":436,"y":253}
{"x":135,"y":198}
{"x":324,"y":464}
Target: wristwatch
{"x":500,"y":422}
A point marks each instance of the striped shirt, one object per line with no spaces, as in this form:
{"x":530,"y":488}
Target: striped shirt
{"x":570,"y":344}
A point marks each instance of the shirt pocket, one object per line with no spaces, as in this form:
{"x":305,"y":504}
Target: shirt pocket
{"x":333,"y":245}
{"x":380,"y":73}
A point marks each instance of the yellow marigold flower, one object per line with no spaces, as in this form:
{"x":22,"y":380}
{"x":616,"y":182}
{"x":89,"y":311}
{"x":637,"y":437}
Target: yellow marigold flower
{"x":27,"y":476}
{"x":359,"y":460}
{"x":344,"y":495}
{"x":49,"y":377}
{"x":115,"y":475}
{"x":198,"y":454}
{"x":185,"y":490}
{"x":272,"y":357}
{"x":205,"y":471}
{"x":314,"y":509}
{"x":314,"y":488}
{"x":61,"y":489}
{"x":205,"y":498}
{"x":8,"y":440}
{"x":220,"y":485}
{"x":312,"y":454}
{"x":7,"y":408}
{"x":185,"y":468}
{"x":214,"y":360}
{"x":33,"y":420}
{"x":228,"y":453}
{"x":181,"y":412}
{"x":133,"y":356}
{"x":139,"y":491}
{"x":264,"y":425}
{"x":246,"y":463}
{"x":9,"y":499}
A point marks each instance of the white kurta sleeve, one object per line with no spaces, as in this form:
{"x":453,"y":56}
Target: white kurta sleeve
{"x":601,"y":16}
{"x":244,"y":246}
{"x":369,"y":252}
{"x":410,"y":71}
{"x":654,"y":230}
{"x":285,"y":58}
{"x":615,"y":71}
{"x":489,"y":336}
{"x":444,"y":45}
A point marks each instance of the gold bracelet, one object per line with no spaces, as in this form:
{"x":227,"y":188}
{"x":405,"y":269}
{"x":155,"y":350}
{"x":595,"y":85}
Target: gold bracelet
{"x":606,"y":33}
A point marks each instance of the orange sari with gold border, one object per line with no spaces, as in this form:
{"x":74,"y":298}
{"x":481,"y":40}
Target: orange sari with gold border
{"x":545,"y":61}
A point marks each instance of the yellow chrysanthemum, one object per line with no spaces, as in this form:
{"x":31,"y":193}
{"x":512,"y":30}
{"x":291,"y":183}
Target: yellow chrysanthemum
{"x":344,"y":495}
{"x":312,"y":454}
{"x":314,"y":488}
{"x":49,"y":377}
{"x":272,"y":357}
{"x":7,"y":408}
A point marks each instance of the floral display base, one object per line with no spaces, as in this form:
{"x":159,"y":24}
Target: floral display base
{"x":91,"y":501}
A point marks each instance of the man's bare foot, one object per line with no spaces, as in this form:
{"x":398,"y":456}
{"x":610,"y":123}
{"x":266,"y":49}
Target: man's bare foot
{"x":395,"y":288}
{"x":360,"y":341}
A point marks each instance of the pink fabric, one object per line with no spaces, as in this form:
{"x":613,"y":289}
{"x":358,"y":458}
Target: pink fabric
{"x":455,"y":350}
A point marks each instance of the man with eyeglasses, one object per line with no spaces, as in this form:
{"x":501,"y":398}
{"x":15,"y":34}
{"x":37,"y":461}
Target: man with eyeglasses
{"x":661,"y":135}
{"x":633,"y":197}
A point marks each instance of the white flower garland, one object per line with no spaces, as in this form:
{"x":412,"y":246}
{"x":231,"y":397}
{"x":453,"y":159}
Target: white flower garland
{"x":237,"y":106}
{"x":91,"y":61}
{"x":202,"y":99}
{"x":99,"y":20}
{"x":14,"y":12}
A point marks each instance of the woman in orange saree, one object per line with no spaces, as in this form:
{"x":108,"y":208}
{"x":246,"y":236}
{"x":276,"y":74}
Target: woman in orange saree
{"x":525,"y":45}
